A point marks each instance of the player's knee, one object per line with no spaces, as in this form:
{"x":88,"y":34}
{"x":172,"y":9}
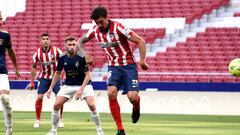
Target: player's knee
{"x":112,"y":94}
{"x":5,"y":101}
{"x":133,"y":98}
{"x":92,"y":107}
{"x":57,"y":106}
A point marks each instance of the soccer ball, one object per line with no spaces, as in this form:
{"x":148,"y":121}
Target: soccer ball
{"x":234,"y":67}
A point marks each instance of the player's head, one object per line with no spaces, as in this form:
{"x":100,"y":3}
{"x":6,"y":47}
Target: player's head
{"x":1,"y":18}
{"x":71,"y":45}
{"x":45,"y":39}
{"x":99,"y":15}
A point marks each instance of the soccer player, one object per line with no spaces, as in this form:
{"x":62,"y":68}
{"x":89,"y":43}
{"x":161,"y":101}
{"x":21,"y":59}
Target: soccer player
{"x":78,"y":83}
{"x":47,"y":56}
{"x":122,"y":69}
{"x":5,"y":43}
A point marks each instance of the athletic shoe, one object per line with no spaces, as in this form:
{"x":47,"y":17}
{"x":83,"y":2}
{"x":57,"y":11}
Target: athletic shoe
{"x":100,"y":132}
{"x":135,"y":115}
{"x":8,"y":131}
{"x":52,"y":133}
{"x":60,"y":124}
{"x":120,"y":132}
{"x":37,"y":124}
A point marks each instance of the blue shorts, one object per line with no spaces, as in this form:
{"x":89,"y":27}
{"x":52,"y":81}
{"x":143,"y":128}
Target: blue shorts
{"x":125,"y":77}
{"x":44,"y":84}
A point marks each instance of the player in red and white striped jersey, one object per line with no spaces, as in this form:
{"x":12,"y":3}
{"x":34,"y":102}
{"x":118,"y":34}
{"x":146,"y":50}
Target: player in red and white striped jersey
{"x":47,"y":57}
{"x":122,"y":69}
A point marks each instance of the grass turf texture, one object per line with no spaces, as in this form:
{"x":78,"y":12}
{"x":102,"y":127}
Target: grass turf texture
{"x":149,"y":124}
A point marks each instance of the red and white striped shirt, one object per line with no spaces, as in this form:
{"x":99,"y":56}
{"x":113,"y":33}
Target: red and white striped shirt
{"x":115,"y":43}
{"x":47,"y":61}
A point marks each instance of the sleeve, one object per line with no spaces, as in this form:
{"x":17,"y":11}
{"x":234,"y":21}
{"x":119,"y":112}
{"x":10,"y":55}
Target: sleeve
{"x":8,"y":41}
{"x":125,"y":31}
{"x":60,"y":64}
{"x":86,"y":67}
{"x":90,"y":33}
{"x":35,"y":58}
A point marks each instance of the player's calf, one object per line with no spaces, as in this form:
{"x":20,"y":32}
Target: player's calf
{"x":136,"y":111}
{"x":7,"y":109}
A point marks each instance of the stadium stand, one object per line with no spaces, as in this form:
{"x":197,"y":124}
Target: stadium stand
{"x":208,"y":52}
{"x":61,"y":18}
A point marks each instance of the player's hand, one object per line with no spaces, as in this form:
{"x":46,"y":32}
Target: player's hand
{"x":48,"y":93}
{"x":144,"y":65}
{"x":32,"y":85}
{"x":78,"y":94}
{"x":18,"y":74}
{"x":105,"y":77}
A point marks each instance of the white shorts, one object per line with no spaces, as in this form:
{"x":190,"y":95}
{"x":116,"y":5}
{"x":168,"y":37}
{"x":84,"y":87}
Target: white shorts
{"x":69,"y":91}
{"x":4,"y":82}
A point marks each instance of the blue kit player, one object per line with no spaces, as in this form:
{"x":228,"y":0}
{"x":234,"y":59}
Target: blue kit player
{"x":78,"y":83}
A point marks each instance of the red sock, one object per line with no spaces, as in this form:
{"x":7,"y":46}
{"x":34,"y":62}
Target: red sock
{"x":38,"y":107}
{"x":137,"y":105}
{"x":115,"y":110}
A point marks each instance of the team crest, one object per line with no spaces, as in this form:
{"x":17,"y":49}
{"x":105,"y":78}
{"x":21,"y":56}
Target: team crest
{"x":77,"y":64}
{"x":111,"y":36}
{"x":1,"y":42}
{"x":52,"y":56}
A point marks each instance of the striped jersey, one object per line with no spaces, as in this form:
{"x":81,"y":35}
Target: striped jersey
{"x":115,"y":44}
{"x":47,"y":61}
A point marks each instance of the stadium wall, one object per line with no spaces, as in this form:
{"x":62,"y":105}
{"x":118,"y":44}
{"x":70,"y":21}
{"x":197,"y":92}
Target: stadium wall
{"x":170,"y":98}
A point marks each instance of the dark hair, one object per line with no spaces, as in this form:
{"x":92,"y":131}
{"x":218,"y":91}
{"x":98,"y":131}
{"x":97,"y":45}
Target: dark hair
{"x":69,"y":38}
{"x":45,"y":34}
{"x":99,"y":12}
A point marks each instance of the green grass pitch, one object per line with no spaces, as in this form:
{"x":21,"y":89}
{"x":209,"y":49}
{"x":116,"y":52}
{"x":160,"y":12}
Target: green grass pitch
{"x":149,"y":124}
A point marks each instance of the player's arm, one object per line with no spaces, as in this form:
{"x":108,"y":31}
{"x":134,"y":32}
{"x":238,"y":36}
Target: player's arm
{"x":81,"y":41}
{"x":87,"y":78}
{"x":12,"y":56}
{"x":55,"y":79}
{"x":142,"y":47}
{"x":33,"y":75}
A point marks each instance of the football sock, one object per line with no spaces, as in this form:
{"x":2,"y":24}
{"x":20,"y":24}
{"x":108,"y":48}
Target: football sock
{"x":38,"y":107}
{"x":115,"y":111}
{"x":96,"y":118}
{"x":137,"y":105}
{"x":54,"y":119}
{"x":7,"y":110}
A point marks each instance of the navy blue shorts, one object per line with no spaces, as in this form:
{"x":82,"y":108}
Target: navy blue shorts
{"x":44,"y":84}
{"x":125,"y":77}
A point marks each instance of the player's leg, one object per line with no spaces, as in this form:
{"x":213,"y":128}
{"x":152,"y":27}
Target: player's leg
{"x":115,"y":109}
{"x":60,"y":122}
{"x":42,"y":88}
{"x":64,"y":94}
{"x":131,"y":87}
{"x":114,"y":83}
{"x":38,"y":110}
{"x":135,"y":100}
{"x":60,"y":100}
{"x":56,"y":90}
{"x":4,"y":99}
{"x":88,"y":95}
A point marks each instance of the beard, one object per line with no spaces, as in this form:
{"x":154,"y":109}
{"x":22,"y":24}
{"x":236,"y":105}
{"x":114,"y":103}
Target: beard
{"x":103,"y":30}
